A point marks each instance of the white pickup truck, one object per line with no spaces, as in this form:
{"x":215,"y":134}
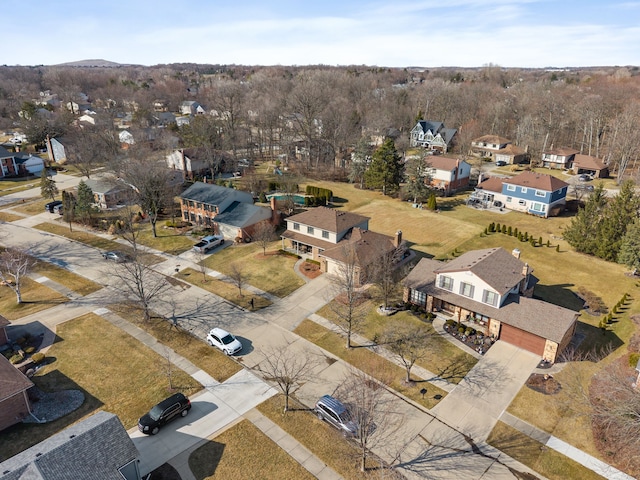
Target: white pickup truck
{"x":207,"y":243}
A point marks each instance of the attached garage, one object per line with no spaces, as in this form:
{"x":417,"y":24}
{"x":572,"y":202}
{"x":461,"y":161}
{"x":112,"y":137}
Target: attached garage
{"x":522,"y":339}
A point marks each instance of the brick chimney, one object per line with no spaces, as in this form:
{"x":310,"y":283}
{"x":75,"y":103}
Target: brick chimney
{"x":397,"y":240}
{"x":516,"y":253}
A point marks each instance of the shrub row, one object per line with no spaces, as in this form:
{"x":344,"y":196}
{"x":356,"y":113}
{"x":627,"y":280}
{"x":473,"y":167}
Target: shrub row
{"x":513,"y":232}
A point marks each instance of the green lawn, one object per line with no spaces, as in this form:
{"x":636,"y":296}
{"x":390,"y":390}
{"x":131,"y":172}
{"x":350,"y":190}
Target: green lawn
{"x":115,"y":372}
{"x":441,"y":356}
{"x":369,"y":362}
{"x":271,"y":273}
{"x":553,"y":465}
{"x":35,"y":298}
{"x":240,"y":450}
{"x":225,"y":290}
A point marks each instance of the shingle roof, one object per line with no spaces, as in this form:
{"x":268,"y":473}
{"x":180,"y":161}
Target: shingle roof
{"x":512,"y":149}
{"x":497,"y":267}
{"x":539,"y":181}
{"x":4,"y":153}
{"x":12,"y":380}
{"x":329,"y":219}
{"x":563,"y":151}
{"x":588,"y":162}
{"x":430,"y":125}
{"x":94,"y":449}
{"x":3,"y":321}
{"x":240,"y":214}
{"x":492,"y":139}
{"x":492,"y":184}
{"x":106,"y":184}
{"x":440,"y":162}
{"x":367,"y":246}
{"x":211,"y":194}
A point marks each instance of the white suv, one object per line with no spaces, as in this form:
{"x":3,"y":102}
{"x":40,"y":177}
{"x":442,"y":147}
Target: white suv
{"x":223,"y":340}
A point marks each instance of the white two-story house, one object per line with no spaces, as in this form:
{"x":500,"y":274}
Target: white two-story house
{"x":432,"y":135}
{"x":493,"y":289}
{"x":448,"y":174}
{"x":559,"y":157}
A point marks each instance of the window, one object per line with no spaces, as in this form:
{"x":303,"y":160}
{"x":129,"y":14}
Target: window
{"x":511,"y":188}
{"x":490,"y":298}
{"x":523,"y":189}
{"x":466,"y":289}
{"x":509,"y":199}
{"x":540,"y":193}
{"x":185,"y":215}
{"x":538,"y":207}
{"x":521,"y":202}
{"x":310,"y":230}
{"x":417,"y":297}
{"x":296,"y":226}
{"x":325,"y":234}
{"x":446,"y":282}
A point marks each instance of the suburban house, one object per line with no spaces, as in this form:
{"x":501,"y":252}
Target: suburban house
{"x":55,"y":150}
{"x":191,"y":107}
{"x":448,"y":174}
{"x":98,"y":448}
{"x":488,"y":145}
{"x":511,"y":155}
{"x":15,"y":404}
{"x":492,"y":290}
{"x":110,"y":192}
{"x":160,"y":105}
{"x":126,"y":139}
{"x":4,"y":338}
{"x":190,"y":161}
{"x":530,"y":192}
{"x":561,"y":158}
{"x":330,"y":236}
{"x":590,"y":165}
{"x":432,"y":135}
{"x":17,"y":164}
{"x":226,"y":211}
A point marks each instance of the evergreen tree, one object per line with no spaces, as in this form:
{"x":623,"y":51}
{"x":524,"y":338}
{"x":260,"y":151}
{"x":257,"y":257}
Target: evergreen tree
{"x":68,"y":207}
{"x":84,"y":201}
{"x":48,"y":188}
{"x":621,"y":211}
{"x":385,"y":171}
{"x":629,"y":253}
{"x":581,"y":233}
{"x":418,"y":178}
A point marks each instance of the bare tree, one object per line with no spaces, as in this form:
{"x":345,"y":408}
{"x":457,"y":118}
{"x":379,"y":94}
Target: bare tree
{"x":199,"y":256}
{"x":238,"y":276}
{"x":264,"y":235}
{"x":90,"y":148}
{"x":288,"y":369}
{"x":140,"y":283}
{"x":372,"y":410}
{"x":168,"y":366}
{"x":408,"y":342}
{"x":348,"y":305}
{"x":386,"y":275}
{"x":15,"y":264}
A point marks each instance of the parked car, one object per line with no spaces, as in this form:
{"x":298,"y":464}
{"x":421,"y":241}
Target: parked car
{"x":334,"y":412}
{"x":48,"y":207}
{"x":584,"y":177}
{"x":207,"y":243}
{"x":175,"y":406}
{"x":117,"y":257}
{"x":57,"y":209}
{"x":224,"y":341}
{"x":500,"y":163}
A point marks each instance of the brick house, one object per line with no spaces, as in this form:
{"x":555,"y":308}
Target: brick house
{"x":226,"y":211}
{"x":492,"y":290}
{"x":15,"y":405}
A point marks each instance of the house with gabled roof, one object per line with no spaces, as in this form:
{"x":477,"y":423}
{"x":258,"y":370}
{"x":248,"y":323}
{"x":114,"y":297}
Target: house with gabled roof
{"x":432,"y":135}
{"x":488,"y":145}
{"x":589,"y":165}
{"x":511,"y":155}
{"x":15,"y":404}
{"x":4,"y":338}
{"x":226,"y":211}
{"x":97,"y":448}
{"x":15,"y":164}
{"x":561,"y":158}
{"x":330,"y":236}
{"x":492,"y":290}
{"x":531,"y":192}
{"x":448,"y":174}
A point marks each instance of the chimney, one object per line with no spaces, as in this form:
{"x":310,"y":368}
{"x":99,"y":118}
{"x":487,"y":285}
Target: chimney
{"x":516,"y":253}
{"x":397,"y":240}
{"x":525,"y":270}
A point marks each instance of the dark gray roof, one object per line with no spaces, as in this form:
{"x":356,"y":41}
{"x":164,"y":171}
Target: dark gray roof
{"x":4,"y":153}
{"x":241,"y":215}
{"x":448,"y":133}
{"x":430,"y":125}
{"x":94,"y":448}
{"x":106,"y":185}
{"x":211,"y":194}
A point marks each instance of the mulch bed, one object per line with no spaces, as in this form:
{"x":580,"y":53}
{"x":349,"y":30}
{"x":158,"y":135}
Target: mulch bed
{"x":310,"y":270}
{"x":543,"y":383}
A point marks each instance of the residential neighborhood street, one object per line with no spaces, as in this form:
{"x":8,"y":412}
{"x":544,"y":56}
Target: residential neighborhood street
{"x":447,"y":442}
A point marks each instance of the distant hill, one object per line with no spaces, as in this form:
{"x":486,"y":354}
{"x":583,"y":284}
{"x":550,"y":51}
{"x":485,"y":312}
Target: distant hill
{"x":90,"y":63}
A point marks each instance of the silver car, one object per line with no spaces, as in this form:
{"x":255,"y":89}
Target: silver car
{"x":334,"y":412}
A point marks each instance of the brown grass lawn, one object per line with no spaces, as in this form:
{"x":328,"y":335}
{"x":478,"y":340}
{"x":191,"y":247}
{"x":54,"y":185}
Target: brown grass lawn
{"x":196,"y":350}
{"x":9,"y":217}
{"x":270,"y":273}
{"x":553,"y":465}
{"x":32,"y":207}
{"x":35,"y":298}
{"x":168,"y":240}
{"x":319,"y":437}
{"x":77,"y":283}
{"x":225,"y":290}
{"x":241,"y":452}
{"x":96,"y":241}
{"x":115,"y":372}
{"x":369,"y":362}
{"x":440,"y":354}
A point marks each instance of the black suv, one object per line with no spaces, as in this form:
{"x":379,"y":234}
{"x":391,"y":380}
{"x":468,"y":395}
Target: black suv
{"x":48,"y":207}
{"x":174,"y":406}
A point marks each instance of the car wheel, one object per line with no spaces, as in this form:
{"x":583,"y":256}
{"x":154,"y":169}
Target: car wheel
{"x":227,"y":352}
{"x":319,"y":415}
{"x":210,"y":343}
{"x":184,"y":412}
{"x":155,"y":430}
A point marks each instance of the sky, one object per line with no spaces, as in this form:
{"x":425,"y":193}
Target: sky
{"x":398,"y":33}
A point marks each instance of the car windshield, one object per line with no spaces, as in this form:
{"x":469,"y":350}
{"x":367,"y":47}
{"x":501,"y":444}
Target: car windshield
{"x":227,"y":339}
{"x":155,"y":412}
